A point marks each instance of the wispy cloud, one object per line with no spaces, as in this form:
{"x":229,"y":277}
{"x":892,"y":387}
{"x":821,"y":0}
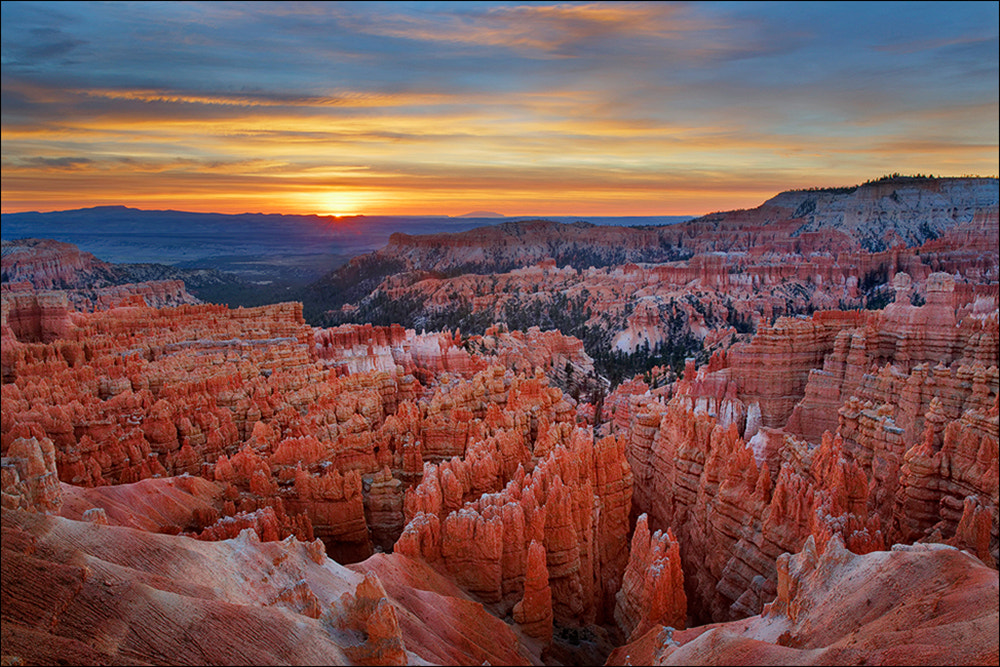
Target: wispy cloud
{"x":51,"y":163}
{"x":416,"y":107}
{"x":560,"y":29}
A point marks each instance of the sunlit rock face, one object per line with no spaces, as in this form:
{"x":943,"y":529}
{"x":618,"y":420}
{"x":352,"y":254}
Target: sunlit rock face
{"x":47,"y":265}
{"x":575,"y":502}
{"x":871,"y":218}
{"x":320,"y":426}
{"x":652,"y":591}
{"x":272,"y":440}
{"x":675,"y":286}
{"x":485,"y":476}
{"x":875,"y":216}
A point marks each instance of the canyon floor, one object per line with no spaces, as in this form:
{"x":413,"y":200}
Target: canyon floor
{"x":758,"y":437}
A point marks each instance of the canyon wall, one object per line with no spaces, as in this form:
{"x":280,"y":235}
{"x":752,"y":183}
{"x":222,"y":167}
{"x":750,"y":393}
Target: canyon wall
{"x":879,"y":427}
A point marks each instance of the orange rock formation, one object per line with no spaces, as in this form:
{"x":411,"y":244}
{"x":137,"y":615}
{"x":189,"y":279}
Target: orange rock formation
{"x":921,"y":604}
{"x":652,"y":591}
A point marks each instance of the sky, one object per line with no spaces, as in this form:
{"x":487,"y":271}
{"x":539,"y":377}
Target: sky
{"x":443,"y":108}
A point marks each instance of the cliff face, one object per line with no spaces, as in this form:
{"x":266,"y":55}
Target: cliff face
{"x":88,"y":283}
{"x":652,"y":591}
{"x":825,"y":240}
{"x":47,"y":265}
{"x":321,"y":428}
{"x":33,"y":313}
{"x":873,"y":217}
{"x":477,"y":516}
{"x":291,"y":432}
{"x":891,"y":441}
{"x":883,"y":213}
{"x":487,"y":477}
{"x":514,"y":244}
{"x":674,"y":310}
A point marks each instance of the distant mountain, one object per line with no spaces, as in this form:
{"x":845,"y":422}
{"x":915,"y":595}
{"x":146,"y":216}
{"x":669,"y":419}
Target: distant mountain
{"x":874,"y":217}
{"x":495,"y":249}
{"x":294,"y":250}
{"x":261,"y":248}
{"x":121,"y":234}
{"x":481,"y":214}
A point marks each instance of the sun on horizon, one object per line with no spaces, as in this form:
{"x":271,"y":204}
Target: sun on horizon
{"x":602,"y":109}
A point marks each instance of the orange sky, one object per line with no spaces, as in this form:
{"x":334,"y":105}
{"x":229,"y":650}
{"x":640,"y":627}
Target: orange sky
{"x":569,"y":109}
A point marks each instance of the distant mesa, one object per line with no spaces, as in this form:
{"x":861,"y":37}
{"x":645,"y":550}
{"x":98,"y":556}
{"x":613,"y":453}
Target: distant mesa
{"x":482,"y":214}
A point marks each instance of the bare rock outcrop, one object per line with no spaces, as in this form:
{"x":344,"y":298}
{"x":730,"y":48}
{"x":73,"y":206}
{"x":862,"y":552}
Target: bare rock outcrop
{"x":371,"y":618}
{"x":30,"y":480}
{"x":67,"y":586}
{"x":915,"y":604}
{"x":484,"y":542}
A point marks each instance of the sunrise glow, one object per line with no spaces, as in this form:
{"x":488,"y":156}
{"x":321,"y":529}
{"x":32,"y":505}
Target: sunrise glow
{"x":561,"y":109}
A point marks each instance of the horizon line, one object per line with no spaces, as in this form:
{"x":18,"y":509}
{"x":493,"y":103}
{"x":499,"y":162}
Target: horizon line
{"x":359,"y":215}
{"x":872,"y":181}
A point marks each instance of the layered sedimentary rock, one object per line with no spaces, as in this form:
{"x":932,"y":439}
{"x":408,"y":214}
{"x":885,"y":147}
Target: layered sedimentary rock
{"x":30,"y":304}
{"x":31,"y":264}
{"x":30,"y":479}
{"x":673,"y":286}
{"x":369,"y":615}
{"x":172,"y":505}
{"x":525,"y":243}
{"x":908,"y":211}
{"x":921,"y":604}
{"x":773,"y":369}
{"x":731,"y":514}
{"x":439,"y":621}
{"x":383,"y":499}
{"x":874,"y":216}
{"x":900,"y":426}
{"x":359,"y":349}
{"x":206,"y":391}
{"x":89,"y":593}
{"x":249,"y":398}
{"x":35,"y":316}
{"x":48,"y":264}
{"x":497,"y":468}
